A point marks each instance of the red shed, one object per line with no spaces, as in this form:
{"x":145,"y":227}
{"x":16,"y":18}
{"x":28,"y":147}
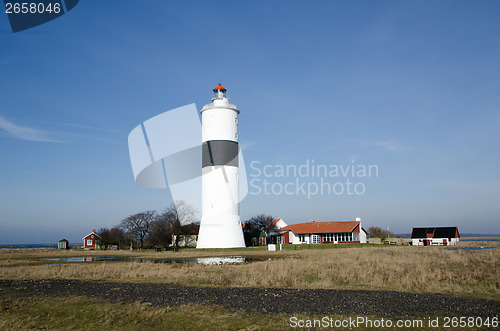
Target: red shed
{"x":91,"y":241}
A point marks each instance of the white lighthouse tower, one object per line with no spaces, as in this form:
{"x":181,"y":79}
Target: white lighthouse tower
{"x":220,"y":221}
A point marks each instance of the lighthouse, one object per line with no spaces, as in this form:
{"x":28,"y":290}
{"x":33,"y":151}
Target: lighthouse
{"x":220,"y":225}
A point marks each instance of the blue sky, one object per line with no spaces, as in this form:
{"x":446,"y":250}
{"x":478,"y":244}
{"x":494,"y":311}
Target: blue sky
{"x":410,"y":86}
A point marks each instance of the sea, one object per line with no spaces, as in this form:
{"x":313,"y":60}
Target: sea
{"x":26,"y":246}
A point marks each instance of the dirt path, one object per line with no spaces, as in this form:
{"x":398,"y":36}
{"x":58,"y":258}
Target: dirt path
{"x":262,"y":300}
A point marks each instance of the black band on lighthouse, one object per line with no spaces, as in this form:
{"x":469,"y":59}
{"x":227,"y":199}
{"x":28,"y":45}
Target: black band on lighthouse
{"x":219,"y":152}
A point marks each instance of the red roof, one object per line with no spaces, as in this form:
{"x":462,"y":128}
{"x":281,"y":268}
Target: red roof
{"x":220,"y":87}
{"x":321,"y":227}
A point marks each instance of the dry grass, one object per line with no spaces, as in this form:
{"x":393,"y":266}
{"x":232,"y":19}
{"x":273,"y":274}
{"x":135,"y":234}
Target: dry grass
{"x":81,"y":313}
{"x":416,"y":269}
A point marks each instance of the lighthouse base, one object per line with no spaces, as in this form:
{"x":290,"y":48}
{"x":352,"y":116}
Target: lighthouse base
{"x":220,"y":232}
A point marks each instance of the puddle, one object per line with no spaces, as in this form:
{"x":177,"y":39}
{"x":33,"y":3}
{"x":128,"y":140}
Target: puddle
{"x":470,"y":248}
{"x":84,"y":259}
{"x":221,"y":260}
{"x":201,"y":260}
{"x":207,"y":260}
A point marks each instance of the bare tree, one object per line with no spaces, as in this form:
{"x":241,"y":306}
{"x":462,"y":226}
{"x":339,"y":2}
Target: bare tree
{"x":259,"y":223}
{"x":117,"y":236}
{"x":105,"y":239}
{"x":161,"y":232}
{"x":113,"y":236}
{"x":177,"y":216}
{"x":138,"y":225}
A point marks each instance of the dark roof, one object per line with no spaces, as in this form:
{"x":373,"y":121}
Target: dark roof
{"x":435,"y":232}
{"x":259,"y":234}
{"x":191,"y":229}
{"x":63,"y":240}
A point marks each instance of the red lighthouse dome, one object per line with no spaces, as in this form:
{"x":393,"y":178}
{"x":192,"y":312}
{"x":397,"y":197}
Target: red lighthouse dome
{"x":220,"y":87}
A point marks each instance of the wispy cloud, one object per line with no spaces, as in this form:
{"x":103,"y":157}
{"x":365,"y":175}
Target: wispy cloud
{"x":391,"y":146}
{"x":25,"y":133}
{"x":85,"y":127}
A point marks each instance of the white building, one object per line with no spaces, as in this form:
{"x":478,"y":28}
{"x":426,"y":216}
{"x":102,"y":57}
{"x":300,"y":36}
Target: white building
{"x":312,"y":232}
{"x":442,"y":236}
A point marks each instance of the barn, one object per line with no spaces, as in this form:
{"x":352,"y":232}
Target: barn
{"x":91,"y":241}
{"x":334,"y":232}
{"x":442,"y":236}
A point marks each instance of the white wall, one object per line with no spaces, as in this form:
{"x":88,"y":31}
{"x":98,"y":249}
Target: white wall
{"x":435,"y":241}
{"x":362,"y":236}
{"x":280,"y":224}
{"x":294,"y":239}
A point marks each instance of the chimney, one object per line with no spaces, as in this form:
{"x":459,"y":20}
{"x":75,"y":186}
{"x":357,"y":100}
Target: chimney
{"x":93,"y":230}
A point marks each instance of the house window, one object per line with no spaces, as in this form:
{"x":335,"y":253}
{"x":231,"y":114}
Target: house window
{"x":302,"y":238}
{"x":355,"y":236}
{"x":316,"y":239}
{"x":328,"y":237}
{"x":89,"y":242}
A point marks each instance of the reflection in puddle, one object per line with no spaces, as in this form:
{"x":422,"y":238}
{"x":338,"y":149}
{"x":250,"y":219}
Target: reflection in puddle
{"x":220,"y":260}
{"x":84,"y":259}
{"x":205,"y":260}
{"x":200,"y":260}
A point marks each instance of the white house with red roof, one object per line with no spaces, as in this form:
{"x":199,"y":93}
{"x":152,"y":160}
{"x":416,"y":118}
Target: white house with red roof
{"x":334,"y":232}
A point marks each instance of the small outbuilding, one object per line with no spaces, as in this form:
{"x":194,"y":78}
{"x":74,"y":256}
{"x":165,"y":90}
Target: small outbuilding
{"x":188,"y":235}
{"x":440,"y":236}
{"x":259,"y":238}
{"x":63,"y":244}
{"x":92,"y":241}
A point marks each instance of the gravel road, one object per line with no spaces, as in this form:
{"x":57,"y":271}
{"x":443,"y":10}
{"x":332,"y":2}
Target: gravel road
{"x":264,"y":300}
